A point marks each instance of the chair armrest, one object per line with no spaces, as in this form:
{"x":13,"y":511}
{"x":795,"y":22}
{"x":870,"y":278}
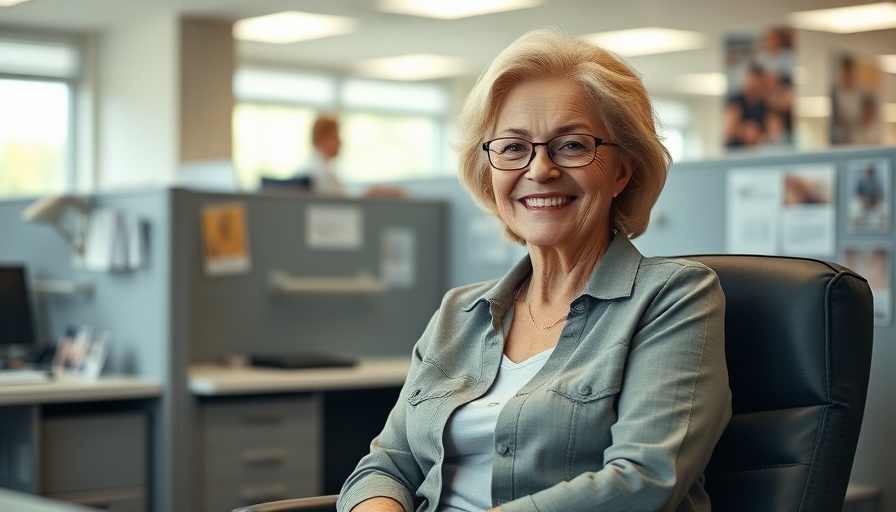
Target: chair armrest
{"x":313,"y":504}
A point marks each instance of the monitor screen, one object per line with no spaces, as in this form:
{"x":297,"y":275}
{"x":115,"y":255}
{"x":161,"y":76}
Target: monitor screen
{"x":16,"y":320}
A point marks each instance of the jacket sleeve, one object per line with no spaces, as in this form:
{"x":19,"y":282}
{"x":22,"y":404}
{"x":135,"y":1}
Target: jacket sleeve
{"x":673,"y":406}
{"x":390,"y":468}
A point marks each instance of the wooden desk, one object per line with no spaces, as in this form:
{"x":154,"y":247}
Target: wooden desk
{"x":217,"y":380}
{"x":58,"y":425}
{"x":79,"y":390}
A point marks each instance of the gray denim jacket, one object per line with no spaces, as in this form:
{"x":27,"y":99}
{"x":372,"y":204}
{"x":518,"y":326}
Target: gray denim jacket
{"x":623,"y":416}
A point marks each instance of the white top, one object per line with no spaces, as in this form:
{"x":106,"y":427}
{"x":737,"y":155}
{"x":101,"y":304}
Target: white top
{"x":470,"y":438}
{"x":323,"y":177}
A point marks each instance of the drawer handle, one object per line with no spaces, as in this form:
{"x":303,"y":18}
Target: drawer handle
{"x":252,"y":495}
{"x":272,"y":456}
{"x":262,"y":419}
{"x":96,"y":501}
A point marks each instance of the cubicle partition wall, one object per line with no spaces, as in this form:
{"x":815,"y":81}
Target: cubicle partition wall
{"x":355,"y":277}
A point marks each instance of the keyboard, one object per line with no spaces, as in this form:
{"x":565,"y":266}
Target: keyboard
{"x":13,"y":377}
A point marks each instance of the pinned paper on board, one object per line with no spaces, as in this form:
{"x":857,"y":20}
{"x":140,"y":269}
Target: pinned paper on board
{"x":334,"y":228}
{"x":872,"y":260}
{"x":399,"y":263}
{"x":782,"y":210}
{"x":224,"y":239}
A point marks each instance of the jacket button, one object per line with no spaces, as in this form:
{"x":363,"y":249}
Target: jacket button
{"x":503,"y":449}
{"x":580,"y":307}
{"x":585,"y":390}
{"x":415,"y":393}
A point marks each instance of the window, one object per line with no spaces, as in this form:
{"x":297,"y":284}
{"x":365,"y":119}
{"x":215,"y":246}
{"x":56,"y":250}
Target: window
{"x":390,"y":130}
{"x":36,"y":115}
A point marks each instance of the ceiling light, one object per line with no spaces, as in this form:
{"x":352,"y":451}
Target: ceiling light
{"x":453,"y":9}
{"x":291,"y":26}
{"x":887,"y":63}
{"x":846,"y":20}
{"x":710,"y":84}
{"x":813,"y":106}
{"x":10,"y":3}
{"x":413,"y":67}
{"x":648,"y":40}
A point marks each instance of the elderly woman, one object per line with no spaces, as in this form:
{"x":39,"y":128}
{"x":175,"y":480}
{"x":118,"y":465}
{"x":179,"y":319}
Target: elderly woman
{"x":589,"y":377}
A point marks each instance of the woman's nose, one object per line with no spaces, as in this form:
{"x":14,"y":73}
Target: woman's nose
{"x":542,"y":168}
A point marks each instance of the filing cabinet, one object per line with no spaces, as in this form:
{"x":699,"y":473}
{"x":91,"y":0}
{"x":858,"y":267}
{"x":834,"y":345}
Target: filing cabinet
{"x":258,"y":448}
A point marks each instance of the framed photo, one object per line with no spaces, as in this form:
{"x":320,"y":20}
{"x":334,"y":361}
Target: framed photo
{"x":873,"y":261}
{"x":869,"y":190}
{"x":82,"y":354}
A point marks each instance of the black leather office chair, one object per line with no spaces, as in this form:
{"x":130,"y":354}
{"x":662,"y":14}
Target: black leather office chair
{"x":798,"y":341}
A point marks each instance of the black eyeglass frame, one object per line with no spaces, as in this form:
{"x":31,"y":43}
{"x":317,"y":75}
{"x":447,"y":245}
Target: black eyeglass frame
{"x":598,"y":142}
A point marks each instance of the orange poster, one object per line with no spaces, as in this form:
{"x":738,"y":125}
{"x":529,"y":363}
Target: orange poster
{"x":224,"y":240}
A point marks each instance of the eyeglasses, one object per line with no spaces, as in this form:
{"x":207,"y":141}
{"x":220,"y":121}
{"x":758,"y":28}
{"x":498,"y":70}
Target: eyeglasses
{"x":570,"y":151}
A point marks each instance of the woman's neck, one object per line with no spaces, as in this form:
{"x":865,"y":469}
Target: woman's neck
{"x":558,"y":276}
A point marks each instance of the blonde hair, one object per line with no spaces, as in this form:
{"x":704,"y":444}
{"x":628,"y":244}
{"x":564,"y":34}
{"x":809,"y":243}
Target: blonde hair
{"x":618,"y":96}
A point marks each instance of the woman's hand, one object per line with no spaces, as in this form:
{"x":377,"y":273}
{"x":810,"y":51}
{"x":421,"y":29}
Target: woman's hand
{"x":378,"y":504}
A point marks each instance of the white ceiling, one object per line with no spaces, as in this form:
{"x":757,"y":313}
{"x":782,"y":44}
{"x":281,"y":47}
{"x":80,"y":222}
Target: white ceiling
{"x":477,"y":39}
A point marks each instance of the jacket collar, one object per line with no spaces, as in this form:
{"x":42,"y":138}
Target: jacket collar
{"x":613,"y":279}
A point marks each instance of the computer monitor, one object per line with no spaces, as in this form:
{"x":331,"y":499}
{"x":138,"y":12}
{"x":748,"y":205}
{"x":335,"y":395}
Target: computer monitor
{"x":16,"y":318}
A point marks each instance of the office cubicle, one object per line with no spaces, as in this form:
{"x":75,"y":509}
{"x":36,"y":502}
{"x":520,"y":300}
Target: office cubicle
{"x":354,"y":277}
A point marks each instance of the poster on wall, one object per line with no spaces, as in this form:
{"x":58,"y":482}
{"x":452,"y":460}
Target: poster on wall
{"x":753,"y":206}
{"x":869,"y":206}
{"x":856,"y":111}
{"x":808,"y":216}
{"x":872,"y":261}
{"x":760,"y":91}
{"x":782,"y":210}
{"x":224,"y":241}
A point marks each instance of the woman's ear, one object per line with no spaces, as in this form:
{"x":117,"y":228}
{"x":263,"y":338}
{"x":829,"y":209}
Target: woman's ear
{"x":623,"y":175}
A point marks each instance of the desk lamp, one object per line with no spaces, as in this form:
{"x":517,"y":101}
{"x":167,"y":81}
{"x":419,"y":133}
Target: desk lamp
{"x":52,"y":210}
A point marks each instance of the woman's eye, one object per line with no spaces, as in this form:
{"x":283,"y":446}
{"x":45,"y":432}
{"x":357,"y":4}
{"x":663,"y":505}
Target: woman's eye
{"x":515,"y":148}
{"x":572,"y":146}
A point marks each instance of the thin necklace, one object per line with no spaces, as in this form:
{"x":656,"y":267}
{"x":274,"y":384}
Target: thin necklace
{"x":532,"y":318}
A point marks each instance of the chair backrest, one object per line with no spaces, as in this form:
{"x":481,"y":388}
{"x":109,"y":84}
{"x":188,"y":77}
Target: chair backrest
{"x":798,"y":343}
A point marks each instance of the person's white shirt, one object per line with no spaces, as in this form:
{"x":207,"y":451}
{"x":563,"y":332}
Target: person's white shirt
{"x":323,"y":176}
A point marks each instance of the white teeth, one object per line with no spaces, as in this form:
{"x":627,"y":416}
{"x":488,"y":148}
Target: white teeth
{"x":541,"y":202}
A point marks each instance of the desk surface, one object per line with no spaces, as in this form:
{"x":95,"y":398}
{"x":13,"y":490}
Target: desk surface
{"x":216,"y":380}
{"x":80,"y":390}
{"x":21,"y":502}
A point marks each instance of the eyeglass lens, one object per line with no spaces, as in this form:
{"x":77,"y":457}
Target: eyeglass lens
{"x":510,"y":153}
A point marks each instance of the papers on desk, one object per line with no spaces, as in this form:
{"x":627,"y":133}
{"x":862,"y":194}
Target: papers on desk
{"x":115,"y":241}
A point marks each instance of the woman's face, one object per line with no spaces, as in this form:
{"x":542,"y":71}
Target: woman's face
{"x":545,"y":204}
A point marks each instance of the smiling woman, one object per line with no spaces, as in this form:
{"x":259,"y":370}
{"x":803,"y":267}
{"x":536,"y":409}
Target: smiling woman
{"x":589,"y":377}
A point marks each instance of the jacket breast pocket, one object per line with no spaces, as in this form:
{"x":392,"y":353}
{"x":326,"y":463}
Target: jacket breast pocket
{"x":427,"y":398}
{"x":585,"y":395}
{"x":584,"y":382}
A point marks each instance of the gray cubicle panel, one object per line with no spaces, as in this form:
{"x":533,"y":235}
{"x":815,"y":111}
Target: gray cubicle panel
{"x":242,"y":313}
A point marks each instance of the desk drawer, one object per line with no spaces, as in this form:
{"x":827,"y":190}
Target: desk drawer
{"x":252,"y":423}
{"x":300,"y":462}
{"x":95,"y":451}
{"x":222,"y":497}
